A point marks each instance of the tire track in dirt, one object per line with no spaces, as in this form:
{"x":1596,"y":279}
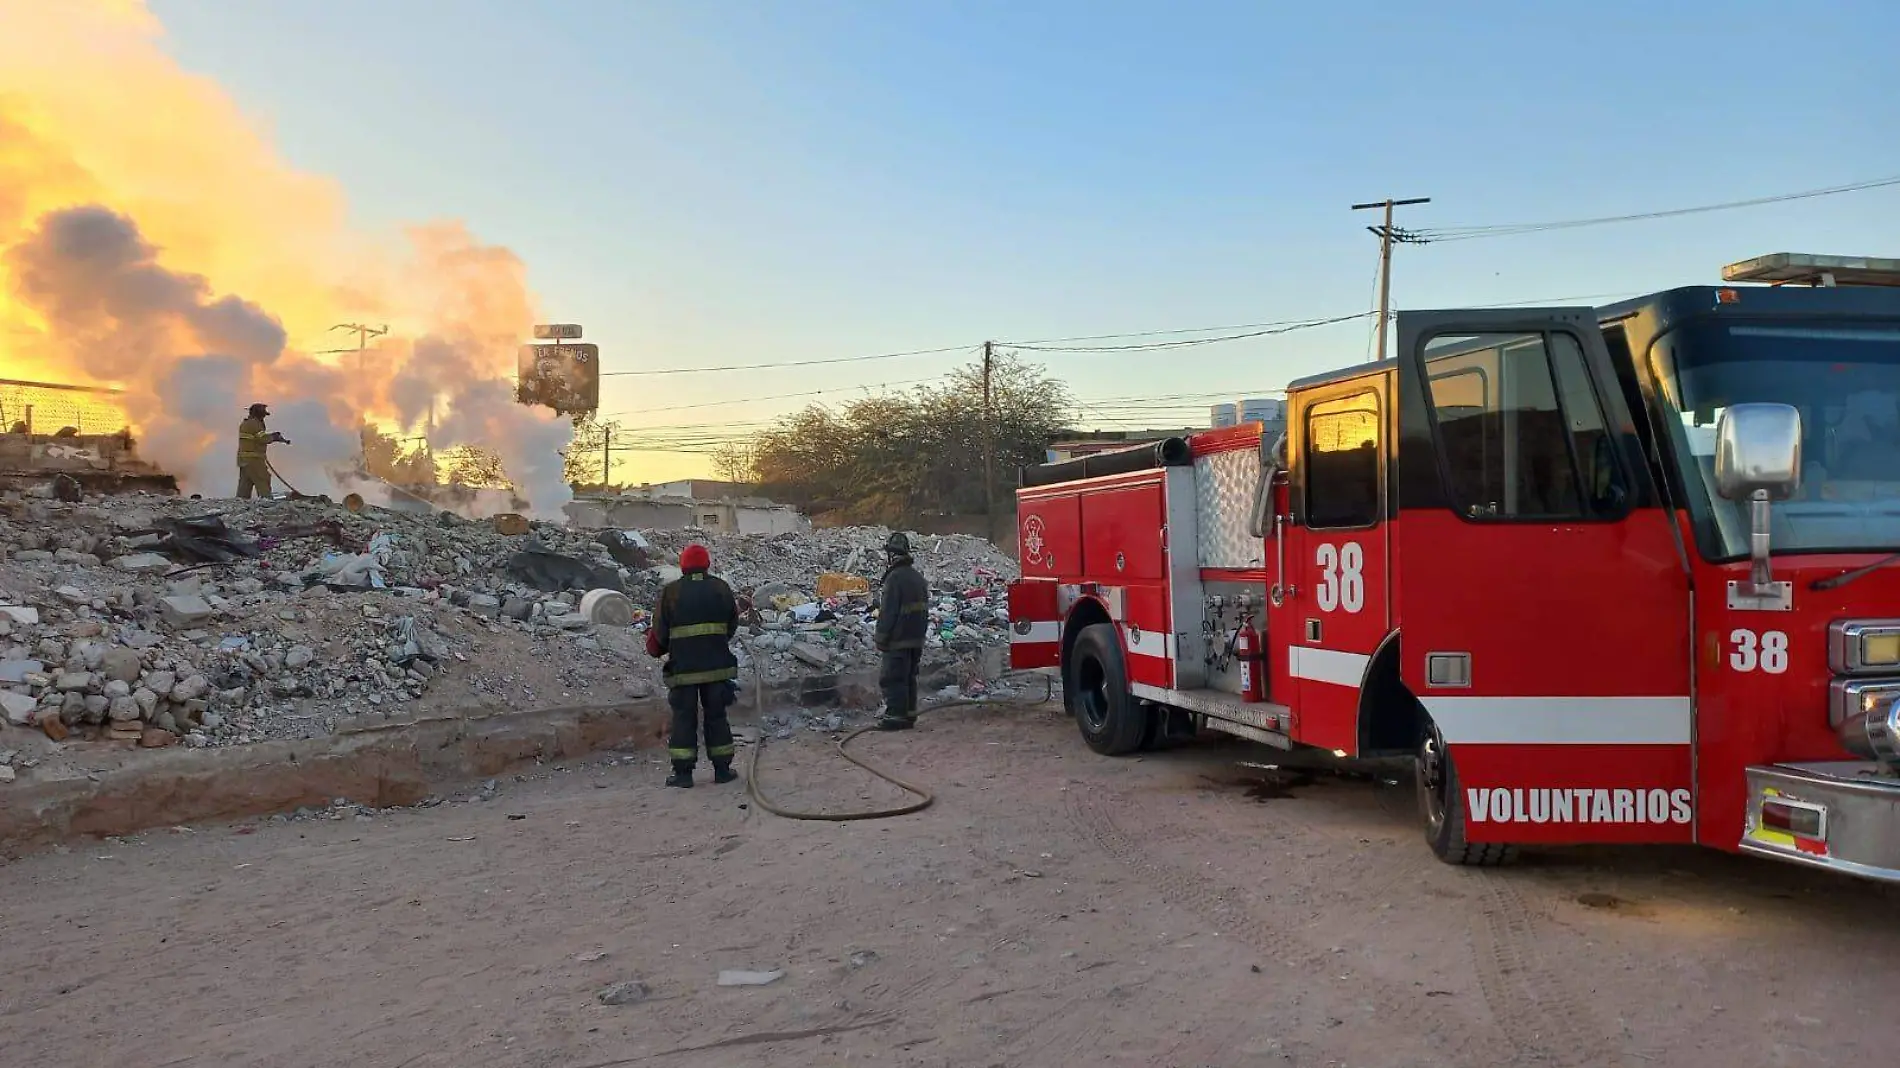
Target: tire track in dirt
{"x":1535,"y":1007}
{"x":1238,"y":914}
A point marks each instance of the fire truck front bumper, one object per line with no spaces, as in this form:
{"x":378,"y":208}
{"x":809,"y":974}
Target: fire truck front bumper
{"x":1844,"y":816}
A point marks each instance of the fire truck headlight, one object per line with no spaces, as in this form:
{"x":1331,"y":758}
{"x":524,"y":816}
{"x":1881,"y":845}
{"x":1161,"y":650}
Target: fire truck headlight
{"x":1880,"y":649}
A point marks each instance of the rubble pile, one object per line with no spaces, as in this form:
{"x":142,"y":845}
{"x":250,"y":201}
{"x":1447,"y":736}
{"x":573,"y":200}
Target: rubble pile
{"x":810,"y":599}
{"x":161,"y":620}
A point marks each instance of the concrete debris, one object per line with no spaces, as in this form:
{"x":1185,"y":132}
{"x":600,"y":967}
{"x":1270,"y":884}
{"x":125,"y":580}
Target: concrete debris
{"x":217,"y":623}
{"x":143,"y":563}
{"x":185,"y":610}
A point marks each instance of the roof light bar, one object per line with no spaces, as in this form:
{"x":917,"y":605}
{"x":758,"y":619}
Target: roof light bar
{"x":1800,"y":268}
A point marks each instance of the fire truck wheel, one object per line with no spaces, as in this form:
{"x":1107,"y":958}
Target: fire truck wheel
{"x":1112,"y":721}
{"x":1443,"y":804}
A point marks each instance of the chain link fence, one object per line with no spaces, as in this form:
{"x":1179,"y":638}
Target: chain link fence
{"x":46,"y":407}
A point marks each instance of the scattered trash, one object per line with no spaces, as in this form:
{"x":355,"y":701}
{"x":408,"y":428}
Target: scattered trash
{"x":744,"y":978}
{"x":552,"y":572}
{"x":592,"y":956}
{"x":624,"y":993}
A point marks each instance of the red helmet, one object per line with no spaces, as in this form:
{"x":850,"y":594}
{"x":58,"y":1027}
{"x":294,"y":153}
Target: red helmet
{"x":695,"y":558}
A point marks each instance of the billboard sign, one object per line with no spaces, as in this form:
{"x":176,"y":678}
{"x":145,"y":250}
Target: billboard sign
{"x":565,"y":378}
{"x":557,"y":332}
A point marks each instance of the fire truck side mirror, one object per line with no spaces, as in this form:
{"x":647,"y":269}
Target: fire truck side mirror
{"x":1758,"y":450}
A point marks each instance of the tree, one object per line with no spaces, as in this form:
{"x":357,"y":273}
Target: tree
{"x":894,"y":457}
{"x":581,"y":463}
{"x":385,"y":457}
{"x":735,"y":461}
{"x":476,"y":468}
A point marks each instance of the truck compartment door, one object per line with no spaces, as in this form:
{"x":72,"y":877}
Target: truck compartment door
{"x":1035,"y":628}
{"x":1540,"y":594}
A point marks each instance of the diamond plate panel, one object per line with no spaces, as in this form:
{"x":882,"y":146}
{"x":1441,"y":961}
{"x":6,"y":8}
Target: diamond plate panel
{"x":1223,"y":490}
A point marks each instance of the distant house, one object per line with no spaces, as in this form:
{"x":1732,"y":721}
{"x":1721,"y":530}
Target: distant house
{"x":700,"y":489}
{"x":725,"y":507}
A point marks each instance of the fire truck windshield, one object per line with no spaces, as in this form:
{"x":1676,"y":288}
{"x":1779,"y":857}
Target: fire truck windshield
{"x":1845,"y":379}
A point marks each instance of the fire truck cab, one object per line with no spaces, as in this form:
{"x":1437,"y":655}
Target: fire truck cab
{"x":1607,"y":575}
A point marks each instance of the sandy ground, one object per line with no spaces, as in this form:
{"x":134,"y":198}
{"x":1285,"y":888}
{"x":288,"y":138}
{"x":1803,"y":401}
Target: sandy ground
{"x":1053,"y":908}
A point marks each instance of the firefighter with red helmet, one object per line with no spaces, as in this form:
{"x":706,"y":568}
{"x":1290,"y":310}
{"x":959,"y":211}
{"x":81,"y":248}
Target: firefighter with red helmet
{"x":693,"y":627}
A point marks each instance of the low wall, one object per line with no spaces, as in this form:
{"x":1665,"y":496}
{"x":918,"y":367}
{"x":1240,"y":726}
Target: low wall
{"x":371,"y":763}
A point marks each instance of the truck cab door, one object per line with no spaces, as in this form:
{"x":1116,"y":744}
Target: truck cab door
{"x":1337,"y":611}
{"x":1540,"y":590}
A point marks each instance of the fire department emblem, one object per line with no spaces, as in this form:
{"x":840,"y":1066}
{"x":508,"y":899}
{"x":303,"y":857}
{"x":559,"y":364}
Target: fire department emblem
{"x":1032,"y":540}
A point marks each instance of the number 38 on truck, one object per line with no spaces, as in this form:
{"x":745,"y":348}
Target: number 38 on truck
{"x":1626,"y":574}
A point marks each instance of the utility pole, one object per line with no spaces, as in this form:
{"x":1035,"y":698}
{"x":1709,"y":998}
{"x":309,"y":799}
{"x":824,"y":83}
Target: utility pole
{"x":989,"y":450}
{"x":1387,"y":237}
{"x":363,"y":334}
{"x":607,"y":453}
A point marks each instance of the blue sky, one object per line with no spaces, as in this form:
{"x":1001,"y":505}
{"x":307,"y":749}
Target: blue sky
{"x":705,"y":182}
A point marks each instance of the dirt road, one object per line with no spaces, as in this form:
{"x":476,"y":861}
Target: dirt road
{"x":1054,"y":908}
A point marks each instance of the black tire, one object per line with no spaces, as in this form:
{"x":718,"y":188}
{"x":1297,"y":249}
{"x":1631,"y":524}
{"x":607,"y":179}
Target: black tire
{"x":1095,"y":682}
{"x":1441,"y":802}
{"x":1151,"y":738}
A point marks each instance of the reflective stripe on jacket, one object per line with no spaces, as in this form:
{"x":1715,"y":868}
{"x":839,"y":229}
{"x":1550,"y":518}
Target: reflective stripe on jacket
{"x":252,"y":438}
{"x":695,"y":622}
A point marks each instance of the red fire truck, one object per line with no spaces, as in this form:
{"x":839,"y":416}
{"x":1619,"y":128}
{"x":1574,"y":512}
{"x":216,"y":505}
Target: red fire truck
{"x":1624,"y":575}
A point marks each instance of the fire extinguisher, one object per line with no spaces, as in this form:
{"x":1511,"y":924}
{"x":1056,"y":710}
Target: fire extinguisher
{"x":1247,"y":651}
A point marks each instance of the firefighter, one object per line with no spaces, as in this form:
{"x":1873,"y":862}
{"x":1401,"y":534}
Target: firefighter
{"x":253,"y":465}
{"x":902,"y":619}
{"x":693,"y":627}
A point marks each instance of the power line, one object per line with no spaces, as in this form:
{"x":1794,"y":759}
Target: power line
{"x":1133,"y":404}
{"x":1467,"y":233}
{"x":776,"y":396}
{"x":1303,"y":324}
{"x":789,"y":363}
{"x":1041,"y":345}
{"x":1155,"y":333}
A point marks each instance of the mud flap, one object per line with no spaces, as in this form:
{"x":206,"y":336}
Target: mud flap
{"x":1035,"y":628}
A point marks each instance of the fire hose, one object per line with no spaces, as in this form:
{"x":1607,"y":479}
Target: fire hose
{"x":279,"y":477}
{"x":924,"y":797}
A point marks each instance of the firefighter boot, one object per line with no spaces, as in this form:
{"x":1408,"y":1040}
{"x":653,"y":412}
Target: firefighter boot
{"x":891,"y":721}
{"x":682,"y":775}
{"x":722,"y":771}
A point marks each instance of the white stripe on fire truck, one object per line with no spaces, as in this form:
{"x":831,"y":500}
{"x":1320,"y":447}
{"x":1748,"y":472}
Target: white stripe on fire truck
{"x":1326,"y":665}
{"x":1155,"y":643}
{"x":1038,"y":634}
{"x":1562,"y":720}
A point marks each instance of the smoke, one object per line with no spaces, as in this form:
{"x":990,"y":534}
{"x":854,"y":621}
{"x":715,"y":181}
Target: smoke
{"x":152,"y":239}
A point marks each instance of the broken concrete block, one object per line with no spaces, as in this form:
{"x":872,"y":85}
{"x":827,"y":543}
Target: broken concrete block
{"x":143,"y":564}
{"x":19,"y":708}
{"x":184,"y":610}
{"x":817,"y":658}
{"x":74,"y":682}
{"x":120,"y":664}
{"x":21,"y":614}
